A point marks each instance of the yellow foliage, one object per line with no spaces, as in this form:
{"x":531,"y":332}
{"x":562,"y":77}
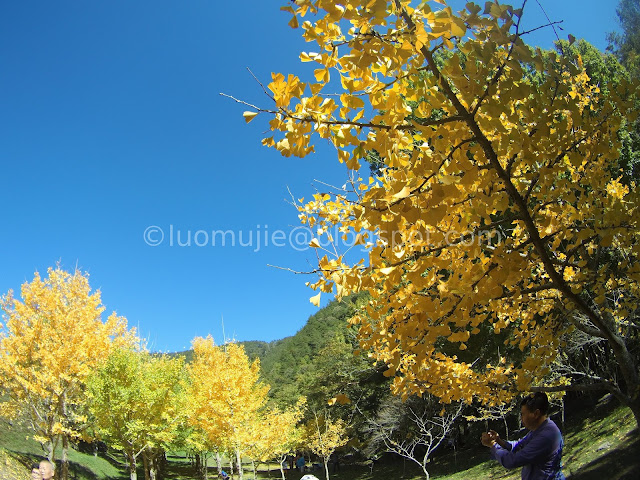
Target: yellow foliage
{"x":275,"y":433}
{"x":494,"y":194}
{"x":323,"y":435}
{"x":50,"y":342}
{"x":225,"y":395}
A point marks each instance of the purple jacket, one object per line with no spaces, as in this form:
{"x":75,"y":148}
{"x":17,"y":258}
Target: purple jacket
{"x":539,"y":453}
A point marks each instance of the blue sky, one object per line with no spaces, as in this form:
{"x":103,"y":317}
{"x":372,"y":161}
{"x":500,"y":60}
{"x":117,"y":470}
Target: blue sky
{"x":111,"y":123}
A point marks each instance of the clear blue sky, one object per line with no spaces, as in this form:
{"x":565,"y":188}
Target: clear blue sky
{"x":111,"y":122}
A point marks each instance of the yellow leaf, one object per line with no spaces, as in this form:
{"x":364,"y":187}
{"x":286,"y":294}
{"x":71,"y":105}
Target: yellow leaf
{"x":293,"y":23}
{"x":248,"y":116}
{"x":314,"y":243}
{"x":315,"y":300}
{"x":316,"y":87}
{"x":458,"y":28}
{"x":353,"y":164}
{"x":321,"y":74}
{"x":404,"y":193}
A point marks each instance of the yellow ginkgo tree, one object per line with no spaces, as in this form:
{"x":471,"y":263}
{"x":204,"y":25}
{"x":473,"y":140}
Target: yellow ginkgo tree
{"x":275,"y":434}
{"x":498,"y":208}
{"x":50,"y":342}
{"x":323,"y":435}
{"x":225,"y":395}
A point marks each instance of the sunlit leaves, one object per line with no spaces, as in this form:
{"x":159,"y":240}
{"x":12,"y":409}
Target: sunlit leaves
{"x":52,"y":339}
{"x":225,"y":395}
{"x":323,"y":434}
{"x":135,"y":401}
{"x":496,"y":190}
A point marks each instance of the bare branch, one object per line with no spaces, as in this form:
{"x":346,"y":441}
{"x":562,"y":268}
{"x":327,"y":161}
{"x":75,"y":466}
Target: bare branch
{"x":261,"y":85}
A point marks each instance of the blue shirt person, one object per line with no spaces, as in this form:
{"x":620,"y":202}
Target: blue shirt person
{"x":539,"y":452}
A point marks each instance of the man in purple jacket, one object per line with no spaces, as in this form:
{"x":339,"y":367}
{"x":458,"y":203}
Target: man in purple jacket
{"x":539,"y":452}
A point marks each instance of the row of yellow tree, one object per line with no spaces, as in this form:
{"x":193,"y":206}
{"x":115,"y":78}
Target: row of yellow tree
{"x":73,"y":376}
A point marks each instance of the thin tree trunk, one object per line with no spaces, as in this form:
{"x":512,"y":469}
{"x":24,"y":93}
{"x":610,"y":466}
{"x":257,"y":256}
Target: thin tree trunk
{"x":218,"y":462}
{"x":326,"y":466}
{"x":145,"y":463}
{"x":64,"y":474}
{"x":426,"y":474}
{"x":49,"y":448}
{"x":281,"y":461}
{"x":133,"y":473}
{"x":506,"y":426}
{"x":239,"y":461}
{"x":153,"y":465}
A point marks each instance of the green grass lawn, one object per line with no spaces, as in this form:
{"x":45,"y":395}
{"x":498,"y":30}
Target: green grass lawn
{"x":600,"y":444}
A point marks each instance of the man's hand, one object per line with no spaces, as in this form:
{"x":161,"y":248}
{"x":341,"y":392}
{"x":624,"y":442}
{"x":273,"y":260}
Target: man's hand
{"x":491,"y":437}
{"x":487,"y":439}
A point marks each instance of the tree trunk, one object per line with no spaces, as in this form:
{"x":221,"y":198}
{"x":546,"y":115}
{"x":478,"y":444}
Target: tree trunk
{"x":153,"y":467}
{"x":145,"y":463}
{"x":426,"y":474}
{"x":239,"y":461}
{"x":506,"y":426}
{"x":281,"y":461}
{"x":50,"y":450}
{"x":218,"y":462}
{"x":64,"y":471}
{"x":253,"y":466}
{"x":205,"y":466}
{"x":133,"y":473}
{"x":326,"y":467}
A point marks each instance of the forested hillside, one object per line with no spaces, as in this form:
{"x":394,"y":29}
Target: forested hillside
{"x":286,"y":364}
{"x":288,"y":358}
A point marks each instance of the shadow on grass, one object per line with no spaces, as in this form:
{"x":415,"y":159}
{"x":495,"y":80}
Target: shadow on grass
{"x":77,"y":471}
{"x":621,"y":463}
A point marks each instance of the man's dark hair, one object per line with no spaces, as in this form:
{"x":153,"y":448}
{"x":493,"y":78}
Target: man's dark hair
{"x":536,"y":401}
{"x":35,"y":466}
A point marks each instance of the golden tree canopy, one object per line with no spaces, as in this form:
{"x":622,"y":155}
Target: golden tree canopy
{"x":225,"y":394}
{"x":50,"y":342}
{"x":498,"y":208}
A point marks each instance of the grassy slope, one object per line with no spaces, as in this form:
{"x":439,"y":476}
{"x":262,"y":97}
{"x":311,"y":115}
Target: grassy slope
{"x":600,"y":445}
{"x":18,"y":450}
